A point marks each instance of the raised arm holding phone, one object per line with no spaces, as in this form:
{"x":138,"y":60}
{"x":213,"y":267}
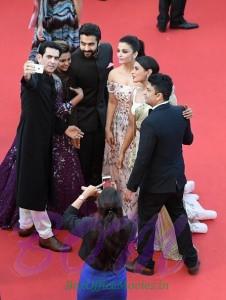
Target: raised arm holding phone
{"x":34,"y":141}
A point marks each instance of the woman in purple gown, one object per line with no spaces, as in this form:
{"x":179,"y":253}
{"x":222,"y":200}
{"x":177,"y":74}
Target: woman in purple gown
{"x":8,"y":211}
{"x":67,"y":174}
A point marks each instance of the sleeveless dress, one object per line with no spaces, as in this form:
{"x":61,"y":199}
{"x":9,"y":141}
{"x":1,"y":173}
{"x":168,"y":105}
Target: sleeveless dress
{"x":60,"y":22}
{"x":123,"y":94}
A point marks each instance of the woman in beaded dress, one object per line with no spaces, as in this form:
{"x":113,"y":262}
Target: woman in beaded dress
{"x":120,"y":87}
{"x":67,"y":174}
{"x":55,"y":20}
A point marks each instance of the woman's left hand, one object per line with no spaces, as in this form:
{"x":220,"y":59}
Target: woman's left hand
{"x":74,"y":132}
{"x":187,"y":113}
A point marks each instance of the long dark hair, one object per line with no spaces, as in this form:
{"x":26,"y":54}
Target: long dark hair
{"x":110,"y":208}
{"x":113,"y":230}
{"x":148,"y":63}
{"x":136,"y":44}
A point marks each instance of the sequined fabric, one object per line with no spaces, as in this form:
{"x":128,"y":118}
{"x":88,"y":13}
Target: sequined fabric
{"x":67,"y":174}
{"x":123,"y":94}
{"x":8,"y":210}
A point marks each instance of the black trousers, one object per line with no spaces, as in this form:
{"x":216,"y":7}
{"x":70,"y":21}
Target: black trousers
{"x":172,"y":10}
{"x":91,"y":155}
{"x":149,"y":205}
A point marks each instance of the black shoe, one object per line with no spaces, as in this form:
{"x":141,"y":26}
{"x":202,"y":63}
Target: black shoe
{"x":162,"y":26}
{"x":194,"y":270}
{"x":7,"y":227}
{"x":54,"y":244}
{"x":26,"y":232}
{"x":184,"y":25}
{"x":135,"y":267}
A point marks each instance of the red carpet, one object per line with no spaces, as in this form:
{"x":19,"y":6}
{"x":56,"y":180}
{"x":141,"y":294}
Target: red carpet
{"x":196,"y":61}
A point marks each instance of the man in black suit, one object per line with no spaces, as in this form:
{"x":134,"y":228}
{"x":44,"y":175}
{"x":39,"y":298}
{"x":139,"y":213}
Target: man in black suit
{"x":173,"y":11}
{"x":159,"y":172}
{"x":90,"y":66}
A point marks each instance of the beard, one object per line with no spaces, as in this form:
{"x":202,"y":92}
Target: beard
{"x":90,"y":53}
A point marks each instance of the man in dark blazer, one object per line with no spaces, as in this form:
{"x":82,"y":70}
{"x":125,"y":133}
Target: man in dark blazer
{"x":90,"y":66}
{"x":159,"y":172}
{"x":173,"y":11}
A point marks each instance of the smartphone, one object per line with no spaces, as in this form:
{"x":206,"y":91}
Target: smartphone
{"x":106,"y":181}
{"x":39,"y":68}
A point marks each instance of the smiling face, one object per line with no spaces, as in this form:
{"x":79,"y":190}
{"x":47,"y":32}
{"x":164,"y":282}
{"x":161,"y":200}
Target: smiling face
{"x":125,"y":53}
{"x":49,"y":60}
{"x":88,"y":45}
{"x":64,"y":62}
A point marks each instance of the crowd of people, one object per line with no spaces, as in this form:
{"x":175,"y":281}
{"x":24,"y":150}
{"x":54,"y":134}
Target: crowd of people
{"x":81,"y":119}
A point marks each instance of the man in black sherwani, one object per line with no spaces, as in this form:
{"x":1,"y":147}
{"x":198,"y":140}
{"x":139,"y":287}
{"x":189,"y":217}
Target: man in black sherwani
{"x":159,"y":172}
{"x":36,"y":128}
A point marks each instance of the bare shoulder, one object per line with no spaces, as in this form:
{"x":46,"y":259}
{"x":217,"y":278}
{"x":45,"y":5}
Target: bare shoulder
{"x":114,"y":74}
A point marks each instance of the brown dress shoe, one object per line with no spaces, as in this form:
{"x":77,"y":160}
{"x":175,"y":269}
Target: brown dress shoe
{"x":54,"y":244}
{"x":194,"y":270}
{"x":26,"y":232}
{"x":135,"y":267}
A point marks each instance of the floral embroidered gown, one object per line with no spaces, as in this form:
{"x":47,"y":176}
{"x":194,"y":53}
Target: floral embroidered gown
{"x":123,"y":94}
